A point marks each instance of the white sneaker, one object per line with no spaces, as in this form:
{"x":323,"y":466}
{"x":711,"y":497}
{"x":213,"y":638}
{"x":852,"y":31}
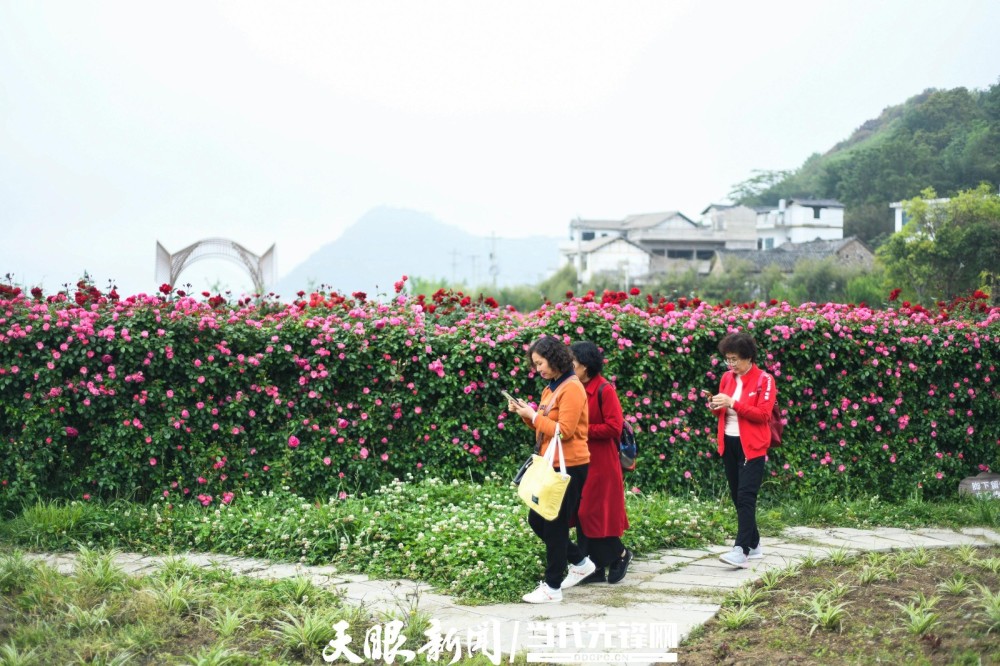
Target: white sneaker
{"x":756,"y":553}
{"x":735,"y":558}
{"x":543,"y":595}
{"x":578,"y":572}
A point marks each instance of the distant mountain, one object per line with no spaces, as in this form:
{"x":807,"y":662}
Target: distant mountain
{"x":387,"y":243}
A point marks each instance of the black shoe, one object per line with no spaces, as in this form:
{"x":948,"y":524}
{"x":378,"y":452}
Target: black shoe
{"x":596,"y":577}
{"x":620,"y":568}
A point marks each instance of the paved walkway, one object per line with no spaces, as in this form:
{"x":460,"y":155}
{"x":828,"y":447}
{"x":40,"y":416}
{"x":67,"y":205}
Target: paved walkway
{"x":662,"y":599}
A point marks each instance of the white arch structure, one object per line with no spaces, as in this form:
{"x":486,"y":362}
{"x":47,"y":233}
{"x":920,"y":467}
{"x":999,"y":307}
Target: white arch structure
{"x":170,"y":266}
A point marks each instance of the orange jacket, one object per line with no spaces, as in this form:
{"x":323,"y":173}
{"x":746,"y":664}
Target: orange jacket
{"x":570,"y":412}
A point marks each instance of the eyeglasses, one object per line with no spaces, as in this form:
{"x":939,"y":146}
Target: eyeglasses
{"x":731,"y":361}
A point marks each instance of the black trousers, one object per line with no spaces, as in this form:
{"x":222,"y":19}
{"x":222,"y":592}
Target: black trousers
{"x":744,"y":477}
{"x":559,"y":549}
{"x":604,"y":551}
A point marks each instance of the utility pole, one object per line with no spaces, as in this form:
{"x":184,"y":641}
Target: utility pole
{"x":579,"y":254}
{"x":494,"y":266}
{"x":454,"y":265}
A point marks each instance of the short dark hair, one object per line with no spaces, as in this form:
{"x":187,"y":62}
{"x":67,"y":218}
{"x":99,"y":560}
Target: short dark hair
{"x":554,"y":351}
{"x":589,"y":356}
{"x":741,"y":344}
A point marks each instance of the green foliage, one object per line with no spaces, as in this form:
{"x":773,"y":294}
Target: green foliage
{"x":469,"y":539}
{"x":946,"y":248}
{"x":945,"y":139}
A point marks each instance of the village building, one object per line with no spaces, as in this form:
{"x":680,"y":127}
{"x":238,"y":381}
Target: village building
{"x":850,"y":251}
{"x":637,"y":249}
{"x":798,"y":221}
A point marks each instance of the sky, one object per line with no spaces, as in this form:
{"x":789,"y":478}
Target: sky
{"x":124,"y":124}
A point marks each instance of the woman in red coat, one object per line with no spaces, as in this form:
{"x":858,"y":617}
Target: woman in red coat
{"x":601,"y":518}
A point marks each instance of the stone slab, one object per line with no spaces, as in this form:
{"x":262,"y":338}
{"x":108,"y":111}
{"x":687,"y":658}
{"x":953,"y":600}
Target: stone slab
{"x":691,"y":554}
{"x":988,"y":536}
{"x":947,"y":537}
{"x":665,"y":561}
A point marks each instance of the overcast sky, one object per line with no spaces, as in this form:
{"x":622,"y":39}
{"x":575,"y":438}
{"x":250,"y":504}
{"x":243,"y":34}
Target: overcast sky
{"x":124,"y":123}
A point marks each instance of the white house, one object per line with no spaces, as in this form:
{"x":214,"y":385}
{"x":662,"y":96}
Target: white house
{"x":671,"y":240}
{"x":799,"y":221}
{"x":901,"y":218}
{"x":608,"y":255}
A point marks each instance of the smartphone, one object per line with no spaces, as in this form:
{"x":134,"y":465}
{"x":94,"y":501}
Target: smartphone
{"x":516,"y":401}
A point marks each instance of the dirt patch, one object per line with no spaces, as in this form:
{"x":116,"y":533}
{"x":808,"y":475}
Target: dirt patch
{"x":876,"y":592}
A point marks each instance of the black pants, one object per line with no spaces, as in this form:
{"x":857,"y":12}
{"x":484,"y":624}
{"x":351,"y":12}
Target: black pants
{"x":559,"y":550}
{"x":604,"y":551}
{"x":744,"y":477}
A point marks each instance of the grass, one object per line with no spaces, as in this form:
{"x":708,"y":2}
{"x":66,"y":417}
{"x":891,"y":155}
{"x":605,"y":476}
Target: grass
{"x":462,"y":539}
{"x":172,"y":616}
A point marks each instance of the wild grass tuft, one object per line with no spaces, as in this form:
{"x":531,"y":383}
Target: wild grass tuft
{"x":16,"y":572}
{"x":956,"y":585}
{"x":991,"y":564}
{"x":824,"y":613}
{"x":770,"y":579}
{"x":840,"y":556}
{"x":299,"y":589}
{"x":124,"y":658}
{"x":918,"y":557}
{"x":217,"y":655}
{"x":968,"y":554}
{"x":226,"y":623}
{"x":98,"y":570}
{"x":305,"y":634}
{"x":11,"y":656}
{"x":920,"y":616}
{"x":87,"y":620}
{"x":738,"y":617}
{"x":180,"y":596}
{"x":53,"y":524}
{"x":746,"y":595}
{"x":989,"y":603}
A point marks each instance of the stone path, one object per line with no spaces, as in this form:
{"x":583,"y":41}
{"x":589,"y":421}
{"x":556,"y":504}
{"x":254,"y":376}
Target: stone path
{"x":637,"y":621}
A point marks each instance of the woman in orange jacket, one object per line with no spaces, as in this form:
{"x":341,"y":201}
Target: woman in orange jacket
{"x":563,"y":402}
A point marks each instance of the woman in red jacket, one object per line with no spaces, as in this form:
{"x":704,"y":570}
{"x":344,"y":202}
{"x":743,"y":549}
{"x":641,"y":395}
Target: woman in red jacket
{"x":743,"y":405}
{"x":602,"y":519}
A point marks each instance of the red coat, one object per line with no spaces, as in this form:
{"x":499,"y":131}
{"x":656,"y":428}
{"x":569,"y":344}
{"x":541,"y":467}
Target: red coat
{"x":753,"y":411}
{"x":602,"y":506}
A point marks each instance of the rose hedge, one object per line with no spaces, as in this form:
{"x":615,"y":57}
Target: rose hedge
{"x":167,"y":395}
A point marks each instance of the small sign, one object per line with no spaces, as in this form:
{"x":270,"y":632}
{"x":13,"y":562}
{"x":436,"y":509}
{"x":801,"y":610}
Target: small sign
{"x":984,"y":484}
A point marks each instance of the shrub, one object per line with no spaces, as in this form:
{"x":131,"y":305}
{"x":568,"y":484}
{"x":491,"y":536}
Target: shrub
{"x":169,"y":396}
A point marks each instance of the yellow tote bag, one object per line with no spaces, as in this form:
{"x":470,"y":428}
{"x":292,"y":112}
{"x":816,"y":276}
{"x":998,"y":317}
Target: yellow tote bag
{"x":542,"y":488}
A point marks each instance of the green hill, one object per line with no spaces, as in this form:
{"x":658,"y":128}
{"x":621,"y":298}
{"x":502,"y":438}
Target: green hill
{"x":945,"y":139}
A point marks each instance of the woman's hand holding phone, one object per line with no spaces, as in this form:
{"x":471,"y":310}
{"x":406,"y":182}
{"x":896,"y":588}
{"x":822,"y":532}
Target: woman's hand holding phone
{"x":708,"y":395}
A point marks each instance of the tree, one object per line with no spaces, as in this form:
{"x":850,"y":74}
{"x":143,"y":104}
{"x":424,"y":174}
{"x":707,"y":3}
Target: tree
{"x":946,"y":249}
{"x":752,"y":190}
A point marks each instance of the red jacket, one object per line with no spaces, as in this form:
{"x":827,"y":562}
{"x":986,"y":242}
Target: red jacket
{"x":602,"y":505}
{"x":753,"y":411}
